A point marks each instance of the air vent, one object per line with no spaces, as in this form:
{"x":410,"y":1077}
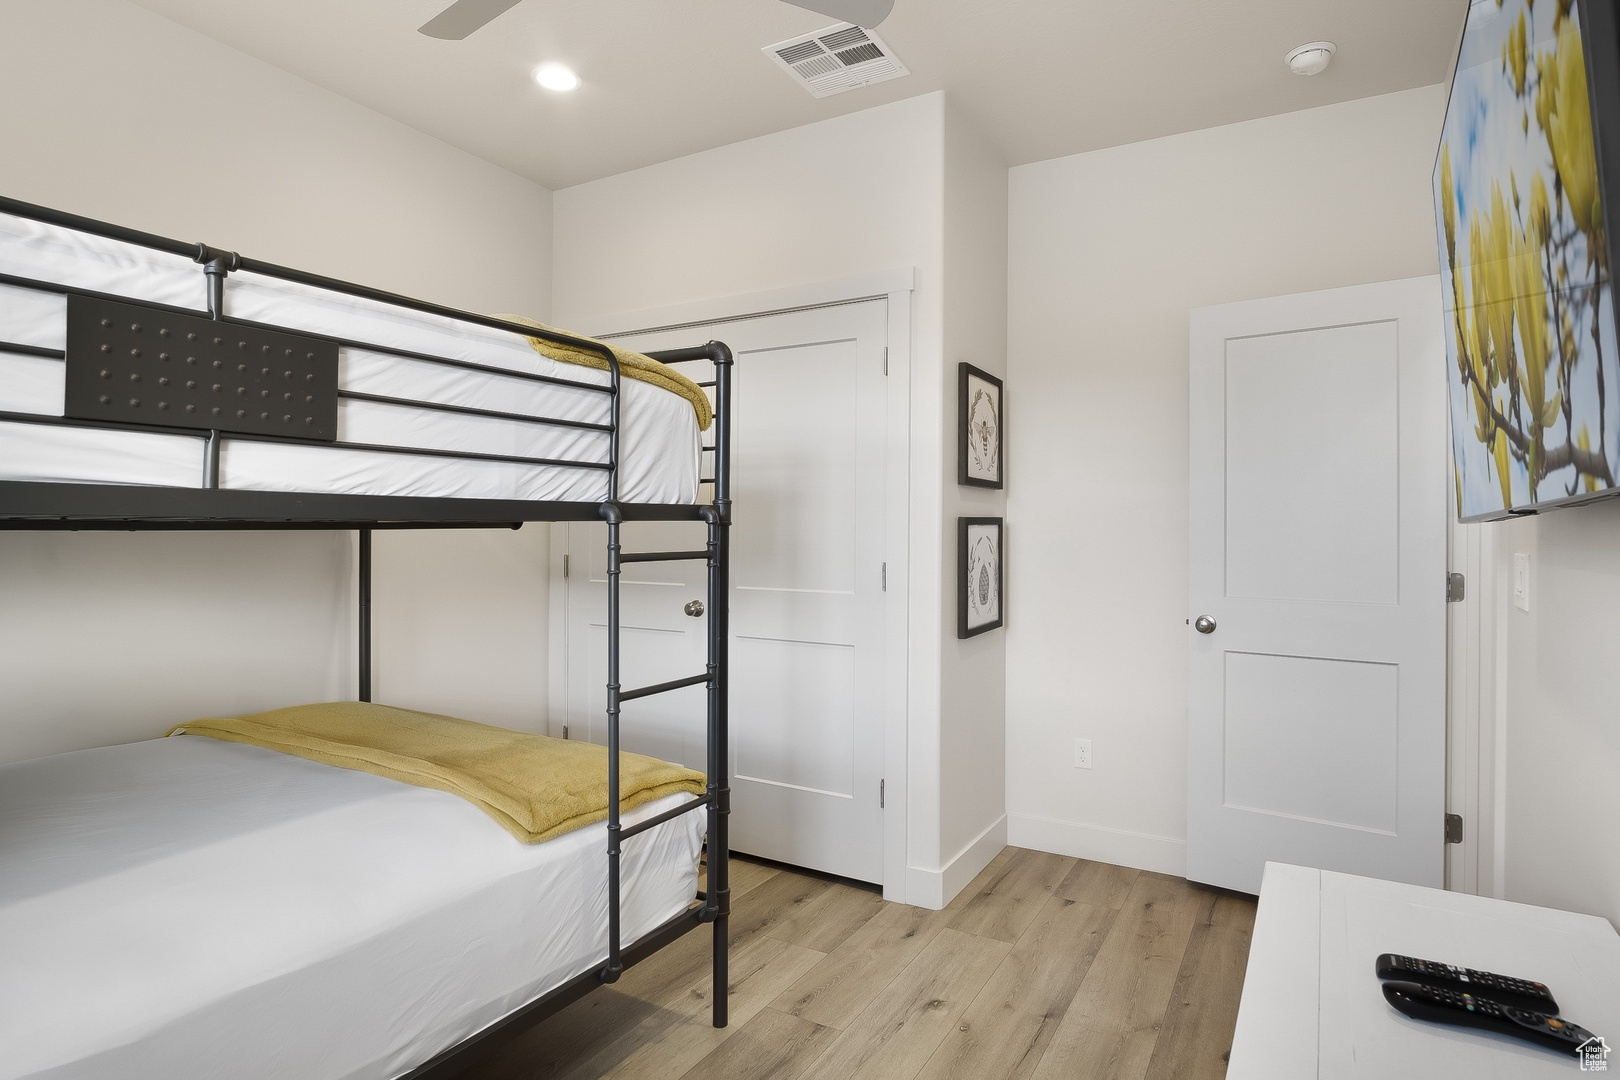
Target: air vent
{"x":836,"y":59}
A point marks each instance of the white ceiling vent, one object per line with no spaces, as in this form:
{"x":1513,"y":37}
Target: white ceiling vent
{"x":836,"y":59}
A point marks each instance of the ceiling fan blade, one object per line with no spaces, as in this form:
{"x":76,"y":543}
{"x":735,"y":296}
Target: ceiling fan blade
{"x":867,"y":13}
{"x":463,"y":17}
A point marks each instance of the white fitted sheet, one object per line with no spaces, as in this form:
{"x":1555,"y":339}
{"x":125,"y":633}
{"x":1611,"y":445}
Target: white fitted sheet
{"x":659,"y":438}
{"x":188,"y":907}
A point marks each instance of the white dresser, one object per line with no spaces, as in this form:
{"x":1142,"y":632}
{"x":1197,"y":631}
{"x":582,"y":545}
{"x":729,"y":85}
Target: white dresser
{"x":1312,"y":1006}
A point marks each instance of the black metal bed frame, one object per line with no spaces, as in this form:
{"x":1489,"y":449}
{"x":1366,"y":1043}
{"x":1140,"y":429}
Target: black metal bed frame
{"x":31,"y":505}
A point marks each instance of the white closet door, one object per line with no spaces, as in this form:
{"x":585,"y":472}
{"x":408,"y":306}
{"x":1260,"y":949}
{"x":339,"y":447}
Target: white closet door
{"x":1317,"y":625}
{"x":807,"y":613}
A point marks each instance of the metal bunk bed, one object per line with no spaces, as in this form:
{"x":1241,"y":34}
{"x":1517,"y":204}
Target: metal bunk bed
{"x":97,"y":325}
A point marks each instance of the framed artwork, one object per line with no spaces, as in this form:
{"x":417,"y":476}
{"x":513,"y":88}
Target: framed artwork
{"x":979,"y":604}
{"x":980,"y":411}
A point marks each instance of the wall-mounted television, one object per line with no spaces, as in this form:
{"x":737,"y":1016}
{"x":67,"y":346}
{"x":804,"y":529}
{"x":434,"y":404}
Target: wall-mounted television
{"x":1524,"y":187}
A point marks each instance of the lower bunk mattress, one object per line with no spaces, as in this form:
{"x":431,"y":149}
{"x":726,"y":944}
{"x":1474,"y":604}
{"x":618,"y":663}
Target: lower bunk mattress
{"x":188,"y":907}
{"x":659,"y":445}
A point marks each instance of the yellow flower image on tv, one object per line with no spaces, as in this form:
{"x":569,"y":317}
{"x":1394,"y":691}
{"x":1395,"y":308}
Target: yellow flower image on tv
{"x":1533,"y":354}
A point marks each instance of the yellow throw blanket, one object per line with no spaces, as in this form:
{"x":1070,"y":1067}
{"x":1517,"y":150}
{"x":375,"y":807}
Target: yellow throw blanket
{"x":634,"y":365}
{"x":534,"y":786}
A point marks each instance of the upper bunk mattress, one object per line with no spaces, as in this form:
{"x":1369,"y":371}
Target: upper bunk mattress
{"x":659,"y":440}
{"x":192,"y":908}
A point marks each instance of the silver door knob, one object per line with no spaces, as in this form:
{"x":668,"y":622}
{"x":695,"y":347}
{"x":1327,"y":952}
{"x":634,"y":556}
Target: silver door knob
{"x":694,"y":608}
{"x":1204,"y":624}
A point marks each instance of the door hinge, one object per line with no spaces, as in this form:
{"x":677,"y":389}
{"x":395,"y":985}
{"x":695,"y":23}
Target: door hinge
{"x":885,"y":577}
{"x":565,"y":566}
{"x":885,"y":360}
{"x":1453,"y":828}
{"x":1454,"y":588}
{"x":880,"y":793}
{"x":565,"y":731}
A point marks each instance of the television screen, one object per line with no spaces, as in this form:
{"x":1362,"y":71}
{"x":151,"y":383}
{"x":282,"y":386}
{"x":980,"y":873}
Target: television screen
{"x":1534,"y":363}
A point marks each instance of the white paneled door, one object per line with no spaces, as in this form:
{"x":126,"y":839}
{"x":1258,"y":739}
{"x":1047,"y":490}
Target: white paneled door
{"x":807,"y":597}
{"x":1317,"y":624}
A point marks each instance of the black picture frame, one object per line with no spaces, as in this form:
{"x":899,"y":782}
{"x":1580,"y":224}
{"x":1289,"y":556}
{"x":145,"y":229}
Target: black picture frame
{"x":981,"y":598}
{"x":979,"y":403}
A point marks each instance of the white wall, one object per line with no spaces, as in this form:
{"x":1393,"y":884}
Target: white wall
{"x":812,"y":204}
{"x":110,"y":111}
{"x":1108,"y":252}
{"x":973,"y":672}
{"x":861,"y":193}
{"x":1560,"y":691}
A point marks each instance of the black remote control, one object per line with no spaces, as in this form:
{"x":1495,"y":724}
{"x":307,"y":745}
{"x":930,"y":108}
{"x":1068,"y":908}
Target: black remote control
{"x":1503,"y":989}
{"x":1453,"y":1007}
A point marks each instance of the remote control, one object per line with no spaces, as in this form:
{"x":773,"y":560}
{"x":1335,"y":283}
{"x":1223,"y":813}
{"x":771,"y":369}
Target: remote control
{"x":1454,"y":1007}
{"x":1519,"y":993}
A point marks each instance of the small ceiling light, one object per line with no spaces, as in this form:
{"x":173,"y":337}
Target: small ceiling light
{"x":1311,"y":58}
{"x":556,"y":77}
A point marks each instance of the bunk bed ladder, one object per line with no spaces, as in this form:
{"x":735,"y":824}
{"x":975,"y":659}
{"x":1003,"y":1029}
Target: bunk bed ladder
{"x":716,"y":554}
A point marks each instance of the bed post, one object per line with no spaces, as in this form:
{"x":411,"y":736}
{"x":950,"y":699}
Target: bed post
{"x":719,"y":885}
{"x":216,"y":265}
{"x":211,"y":460}
{"x":365,"y":615}
{"x":615,"y":962}
{"x":611,"y":514}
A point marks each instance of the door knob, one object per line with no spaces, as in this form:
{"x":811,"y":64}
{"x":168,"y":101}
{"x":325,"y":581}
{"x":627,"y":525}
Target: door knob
{"x":694,"y":608}
{"x":1204,"y":624}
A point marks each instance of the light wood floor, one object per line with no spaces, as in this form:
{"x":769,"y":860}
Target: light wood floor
{"x":1044,"y":967}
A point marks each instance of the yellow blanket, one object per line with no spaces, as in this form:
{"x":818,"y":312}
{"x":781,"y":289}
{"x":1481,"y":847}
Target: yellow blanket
{"x":535,"y":787}
{"x":634,"y":365}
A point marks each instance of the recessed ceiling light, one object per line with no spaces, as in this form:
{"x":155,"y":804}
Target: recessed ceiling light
{"x":1311,"y":58}
{"x":556,"y":77}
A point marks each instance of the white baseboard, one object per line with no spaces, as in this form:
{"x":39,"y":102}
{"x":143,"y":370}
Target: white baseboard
{"x":936,"y":888}
{"x":1140,"y":850}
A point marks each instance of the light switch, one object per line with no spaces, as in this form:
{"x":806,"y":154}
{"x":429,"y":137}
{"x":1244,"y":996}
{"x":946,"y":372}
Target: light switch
{"x":1521,"y":581}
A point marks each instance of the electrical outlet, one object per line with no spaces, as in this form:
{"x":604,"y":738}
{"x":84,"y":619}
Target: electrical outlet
{"x":1082,"y":753}
{"x":1521,"y":581}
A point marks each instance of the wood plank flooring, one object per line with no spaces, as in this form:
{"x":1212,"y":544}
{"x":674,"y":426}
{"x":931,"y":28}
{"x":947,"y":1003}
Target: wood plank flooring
{"x":1044,"y":967}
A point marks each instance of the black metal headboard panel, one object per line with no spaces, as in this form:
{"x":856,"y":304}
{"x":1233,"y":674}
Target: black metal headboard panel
{"x":134,"y":364}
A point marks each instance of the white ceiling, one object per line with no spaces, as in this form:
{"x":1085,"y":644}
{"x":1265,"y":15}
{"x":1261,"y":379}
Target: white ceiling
{"x":665,"y":78}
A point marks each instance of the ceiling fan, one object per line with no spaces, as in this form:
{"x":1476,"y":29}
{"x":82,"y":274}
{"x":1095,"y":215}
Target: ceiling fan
{"x":464,"y":16}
